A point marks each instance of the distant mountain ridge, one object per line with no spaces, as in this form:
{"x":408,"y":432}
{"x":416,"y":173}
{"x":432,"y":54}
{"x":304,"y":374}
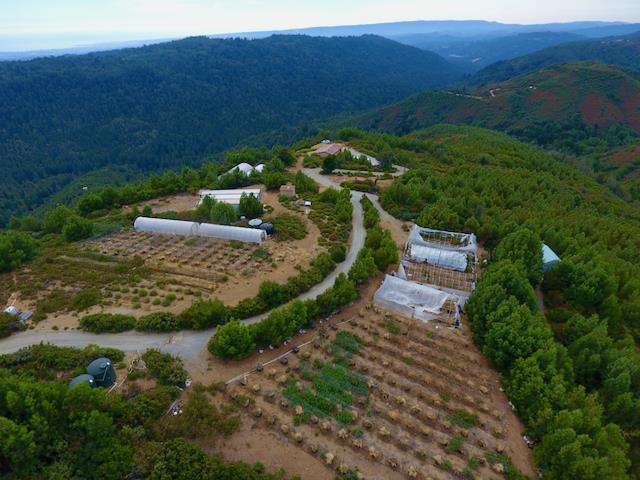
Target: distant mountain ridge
{"x":473,"y":54}
{"x":461,"y":28}
{"x":170,"y":104}
{"x":623,"y":51}
{"x":426,"y":34}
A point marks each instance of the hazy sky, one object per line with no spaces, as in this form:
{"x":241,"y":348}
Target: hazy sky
{"x":164,"y":18}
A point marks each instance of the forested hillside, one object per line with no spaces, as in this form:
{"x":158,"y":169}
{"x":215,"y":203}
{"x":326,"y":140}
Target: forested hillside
{"x":170,"y":104}
{"x":584,"y":110}
{"x":623,"y":51}
{"x":572,"y":375}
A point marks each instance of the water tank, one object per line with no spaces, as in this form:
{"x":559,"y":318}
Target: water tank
{"x":268,"y":228}
{"x":84,"y":378}
{"x":102,"y":371}
{"x":255,"y":223}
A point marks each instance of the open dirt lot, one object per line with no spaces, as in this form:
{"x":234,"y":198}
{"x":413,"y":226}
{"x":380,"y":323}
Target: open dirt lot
{"x":173,"y":203}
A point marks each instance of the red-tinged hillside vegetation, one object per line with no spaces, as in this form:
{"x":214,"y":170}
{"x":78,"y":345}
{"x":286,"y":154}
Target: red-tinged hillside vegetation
{"x":578,"y":100}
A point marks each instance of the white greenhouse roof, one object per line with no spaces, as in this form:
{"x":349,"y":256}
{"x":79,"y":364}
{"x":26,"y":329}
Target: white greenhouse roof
{"x":228,"y":232}
{"x":436,"y":256}
{"x":166,"y":227}
{"x":243,"y":167}
{"x":192,"y":229}
{"x":229,"y":196}
{"x":442,"y":239}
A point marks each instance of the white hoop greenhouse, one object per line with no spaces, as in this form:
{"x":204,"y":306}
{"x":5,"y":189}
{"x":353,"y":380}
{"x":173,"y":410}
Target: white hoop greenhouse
{"x":166,"y":227}
{"x":192,"y":229}
{"x":227,"y":232}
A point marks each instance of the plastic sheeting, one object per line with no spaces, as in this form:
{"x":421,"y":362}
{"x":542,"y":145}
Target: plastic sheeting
{"x":228,"y":232}
{"x":436,"y":256}
{"x":411,"y":299}
{"x":193,"y":229}
{"x":166,"y":227}
{"x":465,"y":242}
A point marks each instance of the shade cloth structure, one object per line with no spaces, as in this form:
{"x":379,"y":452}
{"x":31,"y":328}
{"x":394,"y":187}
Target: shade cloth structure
{"x":412,"y":299}
{"x":442,"y":239}
{"x":166,"y":227}
{"x":449,"y":259}
{"x":549,"y":258}
{"x":228,"y":232}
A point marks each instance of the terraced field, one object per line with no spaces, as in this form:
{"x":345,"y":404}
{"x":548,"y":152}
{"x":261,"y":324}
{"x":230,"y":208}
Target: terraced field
{"x":388,"y":398}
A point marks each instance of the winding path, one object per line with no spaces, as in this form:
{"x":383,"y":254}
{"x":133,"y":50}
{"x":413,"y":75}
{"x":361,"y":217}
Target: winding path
{"x":188,"y":344}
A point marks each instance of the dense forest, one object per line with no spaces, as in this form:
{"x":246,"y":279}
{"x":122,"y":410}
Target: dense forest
{"x":623,"y":51}
{"x":586,"y":111}
{"x":170,"y":104}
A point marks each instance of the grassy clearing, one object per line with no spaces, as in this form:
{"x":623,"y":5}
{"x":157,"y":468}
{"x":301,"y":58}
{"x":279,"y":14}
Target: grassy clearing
{"x":392,"y":325}
{"x":334,"y":384}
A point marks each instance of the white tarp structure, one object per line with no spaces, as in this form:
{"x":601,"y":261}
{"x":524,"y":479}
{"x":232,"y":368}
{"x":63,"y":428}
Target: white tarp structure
{"x":549,"y":257}
{"x":243,"y":167}
{"x":166,"y":227}
{"x":163,"y":226}
{"x":374,"y":162}
{"x":246,"y":168}
{"x":459,"y":242}
{"x":449,"y":259}
{"x":228,"y":232}
{"x":414,"y":300}
{"x":232,"y":197}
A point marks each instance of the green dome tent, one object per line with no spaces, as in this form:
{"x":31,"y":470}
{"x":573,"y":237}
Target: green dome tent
{"x":84,"y":378}
{"x":102,"y":371}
